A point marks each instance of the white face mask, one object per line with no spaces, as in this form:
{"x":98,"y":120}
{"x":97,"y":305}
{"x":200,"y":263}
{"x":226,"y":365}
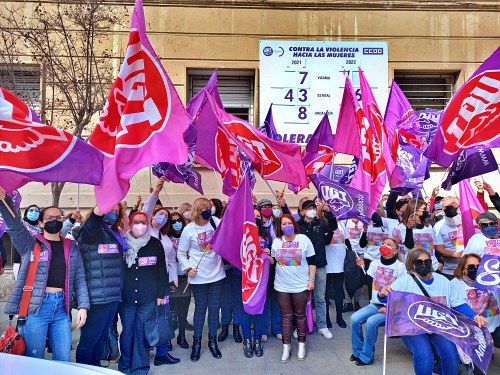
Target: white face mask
{"x":187,"y":215}
{"x":139,"y":230}
{"x":311,"y":214}
{"x":213,"y":210}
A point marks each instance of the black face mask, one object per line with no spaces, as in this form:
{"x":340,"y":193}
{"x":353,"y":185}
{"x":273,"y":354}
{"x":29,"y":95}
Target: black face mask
{"x":425,"y":215}
{"x":423,"y":268}
{"x":388,"y":262}
{"x":450,"y":211}
{"x":258,"y":222}
{"x":53,"y":226}
{"x":438,"y":218}
{"x":472,"y":273}
{"x":419,"y":226}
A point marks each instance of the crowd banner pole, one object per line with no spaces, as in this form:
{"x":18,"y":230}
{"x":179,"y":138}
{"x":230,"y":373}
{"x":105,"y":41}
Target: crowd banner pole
{"x":270,"y":188}
{"x":189,"y":279}
{"x":284,"y":187}
{"x":169,"y":200}
{"x":8,"y":207}
{"x":357,"y":256}
{"x":150,"y":178}
{"x":78,"y":197}
{"x":331,"y":170}
{"x":385,"y":354}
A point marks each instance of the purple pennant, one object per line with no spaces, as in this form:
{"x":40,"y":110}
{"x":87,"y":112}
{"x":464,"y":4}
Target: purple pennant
{"x":410,"y":314}
{"x":471,"y":162}
{"x":488,"y":273}
{"x":344,"y":202}
{"x":269,"y":128}
{"x":16,"y":198}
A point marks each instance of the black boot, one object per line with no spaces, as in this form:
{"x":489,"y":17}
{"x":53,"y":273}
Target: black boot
{"x":247,"y":348}
{"x":339,"y":302}
{"x":181,"y":340}
{"x":236,"y":333}
{"x":223,"y":333}
{"x":212,"y":345}
{"x":166,"y":360}
{"x":340,"y":321}
{"x":195,"y":352}
{"x":169,"y":345}
{"x":175,"y":320}
{"x":328,"y":321}
{"x":257,"y":348}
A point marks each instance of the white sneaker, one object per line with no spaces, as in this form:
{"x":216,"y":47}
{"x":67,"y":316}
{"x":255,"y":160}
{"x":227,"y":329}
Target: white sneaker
{"x":301,"y":353}
{"x":295,"y":335}
{"x":287,"y":349}
{"x":326,"y":333}
{"x":264,"y":338}
{"x":279,"y":336}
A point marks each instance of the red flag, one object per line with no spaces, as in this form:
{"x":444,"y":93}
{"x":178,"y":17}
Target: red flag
{"x":143,"y":121}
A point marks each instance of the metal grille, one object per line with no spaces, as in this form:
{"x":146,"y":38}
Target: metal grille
{"x":23,"y":81}
{"x":425,"y":90}
{"x":236,"y":93}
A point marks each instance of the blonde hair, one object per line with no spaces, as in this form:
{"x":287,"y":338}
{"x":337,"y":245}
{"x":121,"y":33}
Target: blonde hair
{"x":413,"y":255}
{"x":199,"y":205}
{"x":184,"y":207}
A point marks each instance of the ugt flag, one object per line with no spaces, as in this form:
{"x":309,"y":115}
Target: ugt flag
{"x":470,"y":207}
{"x":16,"y":199}
{"x":410,"y":314}
{"x":472,"y":117}
{"x":237,"y":240}
{"x":143,"y":121}
{"x":398,"y":108}
{"x":488,"y":273}
{"x":30,"y":151}
{"x":268,"y":128}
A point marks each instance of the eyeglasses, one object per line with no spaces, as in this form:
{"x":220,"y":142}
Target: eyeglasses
{"x":33,"y":210}
{"x":51,"y":218}
{"x":144,"y":222}
{"x":490,"y":224}
{"x":177,"y":221}
{"x":420,"y":262}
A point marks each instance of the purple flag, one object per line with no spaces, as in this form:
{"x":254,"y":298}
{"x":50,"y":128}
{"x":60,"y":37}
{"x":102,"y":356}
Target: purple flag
{"x":397,"y":110}
{"x":347,"y":134}
{"x":341,"y":174}
{"x":471,"y":162}
{"x":196,"y":103}
{"x":16,"y":198}
{"x":268,"y":128}
{"x":488,"y":274}
{"x":237,"y":240}
{"x":472,"y":115}
{"x":410,"y":314}
{"x":344,"y":202}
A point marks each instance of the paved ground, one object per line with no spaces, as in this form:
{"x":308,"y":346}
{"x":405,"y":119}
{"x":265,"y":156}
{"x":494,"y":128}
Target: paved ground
{"x":323,"y":356}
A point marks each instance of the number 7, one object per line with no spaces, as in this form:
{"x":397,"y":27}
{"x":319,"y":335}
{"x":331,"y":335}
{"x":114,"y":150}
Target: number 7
{"x":304,"y":76}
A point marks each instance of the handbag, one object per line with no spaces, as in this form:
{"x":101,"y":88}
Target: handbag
{"x":354,"y":275}
{"x":158,"y":331}
{"x":11,"y":341}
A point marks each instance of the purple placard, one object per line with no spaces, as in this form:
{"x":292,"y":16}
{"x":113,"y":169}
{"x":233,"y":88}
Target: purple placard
{"x":147,"y":261}
{"x":44,"y":256}
{"x":111,"y":248}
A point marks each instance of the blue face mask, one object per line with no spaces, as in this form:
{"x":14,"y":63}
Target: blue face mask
{"x":161,"y":220}
{"x":33,"y":215}
{"x":276,"y":212}
{"x":490,"y":231}
{"x":206,"y":214}
{"x":177,"y":226}
{"x":438,"y":206}
{"x":111,"y":217}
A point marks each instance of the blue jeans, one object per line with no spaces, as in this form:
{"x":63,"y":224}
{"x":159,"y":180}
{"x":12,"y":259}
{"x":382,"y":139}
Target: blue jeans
{"x":206,"y":297}
{"x":319,"y":297}
{"x":134,"y":352}
{"x":53,"y":322}
{"x":94,"y":333}
{"x":240,"y":315}
{"x":422,"y":347}
{"x":272,"y":314}
{"x":364,"y":348}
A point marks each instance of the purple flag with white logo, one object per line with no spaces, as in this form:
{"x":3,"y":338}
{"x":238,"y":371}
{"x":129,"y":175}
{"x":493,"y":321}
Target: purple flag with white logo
{"x":16,"y":198}
{"x":397,"y":110}
{"x":472,"y":115}
{"x":268,"y":128}
{"x":237,"y":240}
{"x":488,"y":273}
{"x":344,"y":202}
{"x":341,"y":174}
{"x":410,"y":314}
{"x":471,"y":162}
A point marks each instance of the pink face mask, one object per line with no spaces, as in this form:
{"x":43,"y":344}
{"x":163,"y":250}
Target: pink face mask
{"x":266,"y":212}
{"x":138,"y":230}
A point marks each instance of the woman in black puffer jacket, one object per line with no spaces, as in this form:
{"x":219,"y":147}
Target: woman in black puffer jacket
{"x":102,"y":247}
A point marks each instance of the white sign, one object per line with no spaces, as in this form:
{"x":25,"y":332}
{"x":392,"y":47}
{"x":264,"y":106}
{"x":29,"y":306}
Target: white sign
{"x":304,"y":79}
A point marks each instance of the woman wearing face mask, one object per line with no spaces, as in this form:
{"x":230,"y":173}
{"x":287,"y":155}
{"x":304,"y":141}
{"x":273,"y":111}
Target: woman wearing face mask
{"x":488,"y":225}
{"x":417,"y":232}
{"x":217,"y":208}
{"x":205,"y":270}
{"x":276,"y":211}
{"x":384,"y":272}
{"x":295,"y":275}
{"x":185,"y":210}
{"x":145,"y":284}
{"x":483,"y":302}
{"x":421,"y":278}
{"x":180,"y":296}
{"x":59,"y":276}
{"x":101,"y":245}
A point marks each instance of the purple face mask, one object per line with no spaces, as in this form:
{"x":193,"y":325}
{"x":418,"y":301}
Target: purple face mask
{"x":288,"y":230}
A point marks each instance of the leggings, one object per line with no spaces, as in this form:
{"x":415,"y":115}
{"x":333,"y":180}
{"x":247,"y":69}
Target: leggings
{"x":181,"y":307}
{"x":293,"y":305}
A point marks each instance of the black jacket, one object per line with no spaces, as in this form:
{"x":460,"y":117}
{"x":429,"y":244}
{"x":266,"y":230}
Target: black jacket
{"x":495,"y":199}
{"x":146,"y":283}
{"x":104,"y":272}
{"x":320,"y":232}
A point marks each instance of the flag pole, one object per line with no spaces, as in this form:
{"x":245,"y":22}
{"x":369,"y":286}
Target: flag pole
{"x":270,"y":188}
{"x":416,"y":203}
{"x":150,"y":178}
{"x":137,"y":184}
{"x":357,"y":255}
{"x":445,"y":173}
{"x":189,"y":279}
{"x":331,"y":170}
{"x":78,"y":197}
{"x":385,"y":354}
{"x":217,"y":180}
{"x":8,"y":207}
{"x":169,"y":200}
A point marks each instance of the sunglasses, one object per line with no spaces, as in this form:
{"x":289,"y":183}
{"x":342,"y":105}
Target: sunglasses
{"x":471,"y":267}
{"x":51,"y":218}
{"x":420,"y":262}
{"x":490,"y":224}
{"x":177,"y":221}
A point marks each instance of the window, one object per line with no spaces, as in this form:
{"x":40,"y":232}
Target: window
{"x":236,"y":89}
{"x":426,"y":90}
{"x":23,"y":81}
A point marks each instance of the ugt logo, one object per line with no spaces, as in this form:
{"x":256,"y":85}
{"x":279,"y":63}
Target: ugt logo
{"x":252,"y":265}
{"x":431,"y":316}
{"x":139,"y":102}
{"x":337,"y":198}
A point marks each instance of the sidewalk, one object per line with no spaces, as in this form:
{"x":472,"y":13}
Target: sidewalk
{"x":323,"y":356}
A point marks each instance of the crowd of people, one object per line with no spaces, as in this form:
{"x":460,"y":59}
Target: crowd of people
{"x":123,"y":264}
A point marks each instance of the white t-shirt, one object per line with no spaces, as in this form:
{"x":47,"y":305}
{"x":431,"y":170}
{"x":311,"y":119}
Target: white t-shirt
{"x":353,"y":232}
{"x":483,"y":302}
{"x":376,"y":236}
{"x":336,"y":251}
{"x":384,"y":275}
{"x":452,"y":237}
{"x":438,"y":290}
{"x":292,"y":270}
{"x":194,"y":242}
{"x":476,"y":244}
{"x":423,"y":238}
